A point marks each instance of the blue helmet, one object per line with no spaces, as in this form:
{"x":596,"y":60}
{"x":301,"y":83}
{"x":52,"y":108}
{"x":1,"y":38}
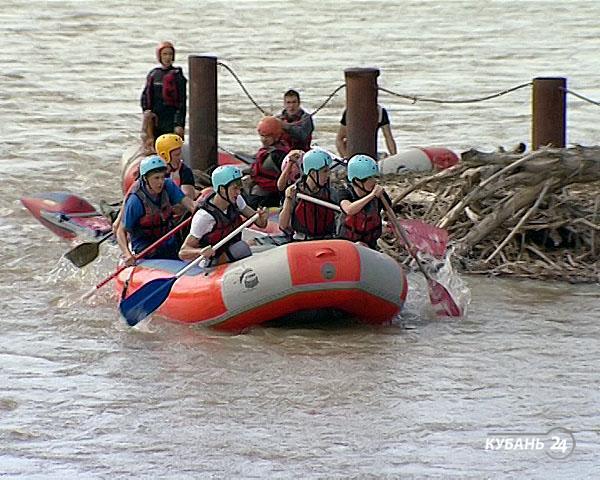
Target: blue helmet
{"x":315,"y":159}
{"x":362,"y":167}
{"x":224,"y":175}
{"x":151,"y":163}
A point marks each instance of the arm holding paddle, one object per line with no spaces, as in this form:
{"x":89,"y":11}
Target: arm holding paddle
{"x":202,"y":224}
{"x":352,"y":208}
{"x":285,"y":216}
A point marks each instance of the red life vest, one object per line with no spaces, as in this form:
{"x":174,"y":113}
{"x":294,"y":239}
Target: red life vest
{"x":365,"y":226}
{"x":170,"y":92}
{"x":157,"y":219}
{"x":265,"y":176}
{"x":167,"y":80}
{"x":313,"y":220}
{"x":225,"y":223}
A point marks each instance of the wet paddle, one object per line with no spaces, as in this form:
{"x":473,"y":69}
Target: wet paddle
{"x":423,"y":236}
{"x":142,"y":254}
{"x":86,"y":252}
{"x":149,"y":297}
{"x":441,"y":300}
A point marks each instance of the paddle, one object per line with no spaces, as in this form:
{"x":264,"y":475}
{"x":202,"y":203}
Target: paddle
{"x":142,"y":254}
{"x":425,"y":237}
{"x":441,"y":300}
{"x":150,"y":296}
{"x":86,"y":252}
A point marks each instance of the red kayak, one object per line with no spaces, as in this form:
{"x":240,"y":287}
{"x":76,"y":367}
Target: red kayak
{"x":67,"y":215}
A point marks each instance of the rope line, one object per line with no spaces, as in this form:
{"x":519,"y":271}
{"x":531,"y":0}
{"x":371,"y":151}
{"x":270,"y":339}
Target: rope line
{"x":416,"y":99}
{"x":328,"y":99}
{"x":226,"y":67}
{"x":578,"y":95}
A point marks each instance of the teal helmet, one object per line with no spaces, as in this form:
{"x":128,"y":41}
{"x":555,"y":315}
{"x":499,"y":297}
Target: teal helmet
{"x":362,"y":167}
{"x":152,"y":163}
{"x":224,"y":175}
{"x":315,"y":159}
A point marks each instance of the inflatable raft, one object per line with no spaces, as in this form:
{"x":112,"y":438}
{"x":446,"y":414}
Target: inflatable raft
{"x":418,"y":159}
{"x":316,"y":276}
{"x":67,"y":215}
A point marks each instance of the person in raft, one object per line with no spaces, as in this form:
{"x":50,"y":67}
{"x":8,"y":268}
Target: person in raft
{"x":218,"y":216}
{"x":297,"y":124}
{"x":266,"y":169}
{"x":290,"y":169}
{"x":148,"y":212}
{"x":304,"y":220}
{"x":360,"y":202}
{"x":168,"y":147}
{"x":164,"y":97}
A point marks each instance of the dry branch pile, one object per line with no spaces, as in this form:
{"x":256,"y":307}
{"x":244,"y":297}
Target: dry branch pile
{"x":535,"y":215}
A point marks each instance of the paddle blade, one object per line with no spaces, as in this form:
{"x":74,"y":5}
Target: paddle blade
{"x":425,"y":237}
{"x":83,"y":254}
{"x":146,"y":300}
{"x":442,"y":302}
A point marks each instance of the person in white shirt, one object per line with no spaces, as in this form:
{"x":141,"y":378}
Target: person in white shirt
{"x":217,"y":217}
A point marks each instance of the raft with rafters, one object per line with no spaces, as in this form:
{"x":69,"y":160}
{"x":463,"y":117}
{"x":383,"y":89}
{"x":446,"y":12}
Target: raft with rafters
{"x":321,"y":277}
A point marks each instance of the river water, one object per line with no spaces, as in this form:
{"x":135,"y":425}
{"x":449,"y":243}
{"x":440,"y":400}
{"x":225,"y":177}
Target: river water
{"x":82,"y":396}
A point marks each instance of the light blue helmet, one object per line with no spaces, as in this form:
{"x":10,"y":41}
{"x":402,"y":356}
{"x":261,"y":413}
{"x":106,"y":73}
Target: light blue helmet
{"x":224,"y":175}
{"x":362,"y":167}
{"x":151,"y":163}
{"x":315,"y":159}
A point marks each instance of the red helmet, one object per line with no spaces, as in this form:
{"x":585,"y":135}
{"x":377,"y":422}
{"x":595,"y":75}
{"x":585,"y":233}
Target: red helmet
{"x":270,"y":127}
{"x":162,"y":45}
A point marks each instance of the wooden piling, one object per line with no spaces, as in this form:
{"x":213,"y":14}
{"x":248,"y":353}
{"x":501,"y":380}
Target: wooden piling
{"x":549,"y":112}
{"x":361,"y":110}
{"x":203,"y":111}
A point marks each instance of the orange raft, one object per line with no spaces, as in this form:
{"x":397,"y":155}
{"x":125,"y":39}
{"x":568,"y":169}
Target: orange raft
{"x":317,"y":276}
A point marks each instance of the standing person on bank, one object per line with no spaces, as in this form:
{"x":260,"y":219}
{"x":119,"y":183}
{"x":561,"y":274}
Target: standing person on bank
{"x":360,"y":202}
{"x":383,"y":123}
{"x":164,"y":96}
{"x":302,"y":219}
{"x":297,"y":125}
{"x":148,"y":212}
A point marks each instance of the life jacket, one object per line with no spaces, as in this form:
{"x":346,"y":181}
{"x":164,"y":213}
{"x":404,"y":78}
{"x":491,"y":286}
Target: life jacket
{"x":225,"y":223}
{"x":365,"y":226}
{"x":265,"y":176}
{"x":167,"y":81}
{"x":310,"y":219}
{"x":170,"y":92}
{"x":157,"y":219}
{"x":293,"y":142}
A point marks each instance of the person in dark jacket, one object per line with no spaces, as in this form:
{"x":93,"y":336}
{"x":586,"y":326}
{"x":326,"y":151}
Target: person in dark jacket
{"x":297,"y":124}
{"x":164,"y":97}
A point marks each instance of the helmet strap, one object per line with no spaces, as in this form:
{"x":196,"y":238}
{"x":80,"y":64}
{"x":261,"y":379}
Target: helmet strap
{"x":226,"y":197}
{"x":361,"y":185}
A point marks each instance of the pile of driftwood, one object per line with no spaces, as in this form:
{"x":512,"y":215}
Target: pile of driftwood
{"x":534,"y":215}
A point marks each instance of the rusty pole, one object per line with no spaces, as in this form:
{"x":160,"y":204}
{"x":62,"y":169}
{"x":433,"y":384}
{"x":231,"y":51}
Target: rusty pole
{"x":549,"y":111}
{"x":361,"y":110}
{"x":203,"y":111}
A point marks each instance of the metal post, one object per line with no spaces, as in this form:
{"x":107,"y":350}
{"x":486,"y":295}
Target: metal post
{"x":549,"y":111}
{"x":203,"y":111}
{"x":361,"y":110}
